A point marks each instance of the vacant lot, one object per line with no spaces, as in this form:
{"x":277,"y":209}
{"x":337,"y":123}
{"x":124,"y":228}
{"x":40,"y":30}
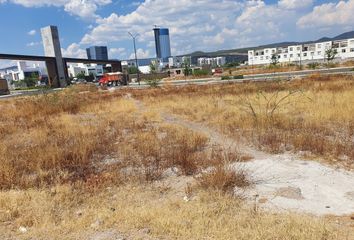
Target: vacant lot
{"x":160,"y":163}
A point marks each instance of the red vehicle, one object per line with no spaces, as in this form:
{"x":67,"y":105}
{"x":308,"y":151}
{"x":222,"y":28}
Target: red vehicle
{"x":111,"y":79}
{"x":217,"y":71}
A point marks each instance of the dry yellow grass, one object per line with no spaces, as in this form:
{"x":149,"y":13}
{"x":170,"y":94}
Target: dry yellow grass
{"x":74,"y":158}
{"x":68,"y":213}
{"x":314,"y":115}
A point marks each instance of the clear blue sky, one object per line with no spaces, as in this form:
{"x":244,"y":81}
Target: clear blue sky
{"x":194,"y":25}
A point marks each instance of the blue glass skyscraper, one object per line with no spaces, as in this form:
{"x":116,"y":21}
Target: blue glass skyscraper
{"x":162,"y":42}
{"x":97,"y":53}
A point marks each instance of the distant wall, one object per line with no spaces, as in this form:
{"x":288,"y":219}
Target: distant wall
{"x":150,"y":76}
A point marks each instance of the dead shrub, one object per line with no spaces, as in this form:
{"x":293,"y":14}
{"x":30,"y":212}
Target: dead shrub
{"x":223,"y":178}
{"x":220,"y":175}
{"x":155,"y":149}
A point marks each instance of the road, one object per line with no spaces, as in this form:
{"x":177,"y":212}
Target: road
{"x":215,"y":80}
{"x":22,"y":93}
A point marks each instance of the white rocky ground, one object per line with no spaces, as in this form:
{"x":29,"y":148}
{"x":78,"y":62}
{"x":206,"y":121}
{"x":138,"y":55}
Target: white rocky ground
{"x":283,"y":182}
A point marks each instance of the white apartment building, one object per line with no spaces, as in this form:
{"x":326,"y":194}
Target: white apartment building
{"x":304,"y":52}
{"x":177,"y":62}
{"x":87,"y":69}
{"x":22,"y":70}
{"x":217,"y":61}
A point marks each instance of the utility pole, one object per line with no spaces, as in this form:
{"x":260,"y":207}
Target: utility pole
{"x":136,"y":58}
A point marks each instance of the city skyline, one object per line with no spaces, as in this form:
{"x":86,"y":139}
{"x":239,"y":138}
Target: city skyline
{"x":209,"y":25}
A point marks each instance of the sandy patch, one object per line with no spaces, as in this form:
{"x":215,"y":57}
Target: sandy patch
{"x":305,"y":186}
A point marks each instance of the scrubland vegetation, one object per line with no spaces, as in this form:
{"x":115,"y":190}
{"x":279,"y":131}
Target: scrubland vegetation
{"x":313,"y":116}
{"x":83,"y":161}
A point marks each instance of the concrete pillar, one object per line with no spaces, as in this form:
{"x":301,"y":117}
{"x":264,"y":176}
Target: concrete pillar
{"x":116,"y":67}
{"x":51,"y":43}
{"x":52,"y":73}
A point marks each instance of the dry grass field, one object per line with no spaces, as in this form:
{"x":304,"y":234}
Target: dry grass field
{"x":91,"y":164}
{"x":314,"y":116}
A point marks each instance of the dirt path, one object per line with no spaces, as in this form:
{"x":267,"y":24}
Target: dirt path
{"x":284,"y":182}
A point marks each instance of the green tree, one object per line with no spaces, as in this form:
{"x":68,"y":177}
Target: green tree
{"x":330,"y":54}
{"x":32,"y":80}
{"x":81,"y":75}
{"x":153,"y":68}
{"x":133,"y":70}
{"x":187,"y":70}
{"x":232,"y":64}
{"x":274,"y":59}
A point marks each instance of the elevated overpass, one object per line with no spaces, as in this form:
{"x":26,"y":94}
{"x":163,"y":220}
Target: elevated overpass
{"x":52,"y":67}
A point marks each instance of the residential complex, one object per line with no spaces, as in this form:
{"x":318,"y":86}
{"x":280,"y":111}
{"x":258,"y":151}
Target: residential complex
{"x":97,"y":53}
{"x":162,"y":43}
{"x":87,"y":69}
{"x":304,"y":52}
{"x":214,"y":62}
{"x":177,"y":62}
{"x":22,"y":71}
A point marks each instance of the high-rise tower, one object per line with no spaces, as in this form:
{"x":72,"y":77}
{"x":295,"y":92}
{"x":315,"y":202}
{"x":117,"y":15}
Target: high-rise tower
{"x":162,"y":43}
{"x":97,"y":53}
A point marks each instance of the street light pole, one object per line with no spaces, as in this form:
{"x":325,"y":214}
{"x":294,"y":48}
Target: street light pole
{"x":136,"y":58}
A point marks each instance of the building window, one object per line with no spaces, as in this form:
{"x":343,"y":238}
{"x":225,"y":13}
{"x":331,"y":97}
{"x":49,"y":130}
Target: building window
{"x":352,"y":50}
{"x":298,"y":48}
{"x":305,"y":54}
{"x":291,"y":49}
{"x":319,"y":45}
{"x":291,"y":55}
{"x":273,"y":51}
{"x":298,"y":55}
{"x":261,"y":57}
{"x":267,"y":57}
{"x":343,"y":50}
{"x":319,"y":53}
{"x":285,"y":56}
{"x":266,"y":51}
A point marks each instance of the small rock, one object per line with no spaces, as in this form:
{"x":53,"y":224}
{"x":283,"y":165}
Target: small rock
{"x":352,"y":217}
{"x":145,"y":231}
{"x":350,"y":195}
{"x":22,"y":229}
{"x":263,"y":200}
{"x":186,"y":199}
{"x":78,"y":213}
{"x":96,"y":224}
{"x":328,"y":206}
{"x":290,"y":192}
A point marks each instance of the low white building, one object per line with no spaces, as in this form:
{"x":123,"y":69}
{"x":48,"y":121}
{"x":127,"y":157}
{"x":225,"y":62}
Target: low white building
{"x":87,"y":69}
{"x":304,"y":52}
{"x":22,"y":71}
{"x":215,"y":62}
